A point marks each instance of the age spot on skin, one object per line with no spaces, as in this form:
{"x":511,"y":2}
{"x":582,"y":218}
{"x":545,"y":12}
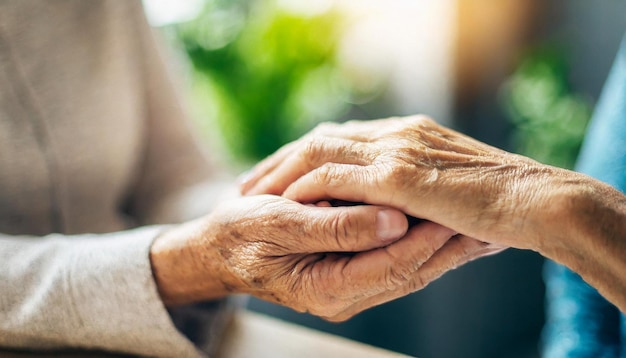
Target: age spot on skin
{"x":236,"y":234}
{"x":257,"y":282}
{"x":275,"y":298}
{"x":228,"y":287}
{"x":225,"y":253}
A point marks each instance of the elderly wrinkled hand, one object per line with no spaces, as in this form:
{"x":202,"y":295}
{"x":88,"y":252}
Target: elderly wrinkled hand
{"x":418,"y":166}
{"x":330,"y":261}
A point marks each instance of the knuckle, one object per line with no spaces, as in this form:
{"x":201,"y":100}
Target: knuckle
{"x":416,"y":283}
{"x":326,"y":175}
{"x":341,"y":226}
{"x":355,"y":150}
{"x":313,"y":151}
{"x":421,"y":120}
{"x":410,"y":153}
{"x":397,"y":276}
{"x":396,"y":173}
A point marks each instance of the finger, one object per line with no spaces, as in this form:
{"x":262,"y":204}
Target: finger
{"x":355,"y":131}
{"x":338,"y":181}
{"x":389,"y":268}
{"x":455,"y":252}
{"x":351,"y":229}
{"x":265,"y":166}
{"x":313,"y":153}
{"x":320,"y":204}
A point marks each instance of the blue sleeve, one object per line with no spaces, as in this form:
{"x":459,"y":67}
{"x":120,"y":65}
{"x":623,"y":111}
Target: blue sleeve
{"x":603,"y":154}
{"x":579,"y":321}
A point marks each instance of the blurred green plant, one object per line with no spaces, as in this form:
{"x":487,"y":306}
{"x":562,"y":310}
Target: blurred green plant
{"x":550,"y":120}
{"x":269,"y":74}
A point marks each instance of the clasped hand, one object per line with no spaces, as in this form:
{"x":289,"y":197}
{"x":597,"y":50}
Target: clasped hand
{"x":337,"y":261}
{"x":292,"y":248}
{"x":331,"y":262}
{"x":417,"y":166}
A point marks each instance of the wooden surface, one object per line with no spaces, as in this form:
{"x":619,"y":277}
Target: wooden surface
{"x":252,"y":335}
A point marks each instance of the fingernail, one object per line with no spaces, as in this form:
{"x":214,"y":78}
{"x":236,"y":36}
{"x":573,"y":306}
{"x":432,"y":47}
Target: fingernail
{"x":390,"y":224}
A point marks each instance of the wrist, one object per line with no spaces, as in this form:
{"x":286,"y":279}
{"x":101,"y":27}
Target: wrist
{"x":185,"y":264}
{"x":591,"y":240}
{"x":584,"y":221}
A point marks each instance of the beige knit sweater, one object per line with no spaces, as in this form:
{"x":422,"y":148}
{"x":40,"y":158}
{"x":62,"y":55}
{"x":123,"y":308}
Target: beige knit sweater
{"x":92,"y":141}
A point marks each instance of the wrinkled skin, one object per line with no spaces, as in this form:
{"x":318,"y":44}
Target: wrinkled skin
{"x":333,"y":262}
{"x":330,"y":261}
{"x":415,"y":165}
{"x":432,"y":172}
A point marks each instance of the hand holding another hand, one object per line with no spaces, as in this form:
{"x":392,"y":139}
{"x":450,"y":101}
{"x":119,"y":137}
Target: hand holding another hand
{"x":335,"y":261}
{"x":421,"y":168}
{"x":331,"y":261}
{"x":432,"y":172}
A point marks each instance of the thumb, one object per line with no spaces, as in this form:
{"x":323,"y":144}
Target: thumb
{"x":353,"y":228}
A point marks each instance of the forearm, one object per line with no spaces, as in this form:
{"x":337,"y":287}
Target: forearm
{"x":587,"y":233}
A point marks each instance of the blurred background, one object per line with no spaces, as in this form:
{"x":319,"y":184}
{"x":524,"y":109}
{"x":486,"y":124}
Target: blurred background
{"x":522,"y":75}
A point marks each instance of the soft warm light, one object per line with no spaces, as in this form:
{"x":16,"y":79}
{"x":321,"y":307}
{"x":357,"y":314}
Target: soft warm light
{"x":165,"y":12}
{"x":306,"y":7}
{"x":407,"y":44}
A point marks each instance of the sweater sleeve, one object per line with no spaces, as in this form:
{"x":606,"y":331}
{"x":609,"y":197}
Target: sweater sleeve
{"x":85,"y":291}
{"x":93,"y":291}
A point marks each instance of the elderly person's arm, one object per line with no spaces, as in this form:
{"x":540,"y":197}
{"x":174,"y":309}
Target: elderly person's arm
{"x":85,"y":291}
{"x":434,"y":173}
{"x":94,"y":140}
